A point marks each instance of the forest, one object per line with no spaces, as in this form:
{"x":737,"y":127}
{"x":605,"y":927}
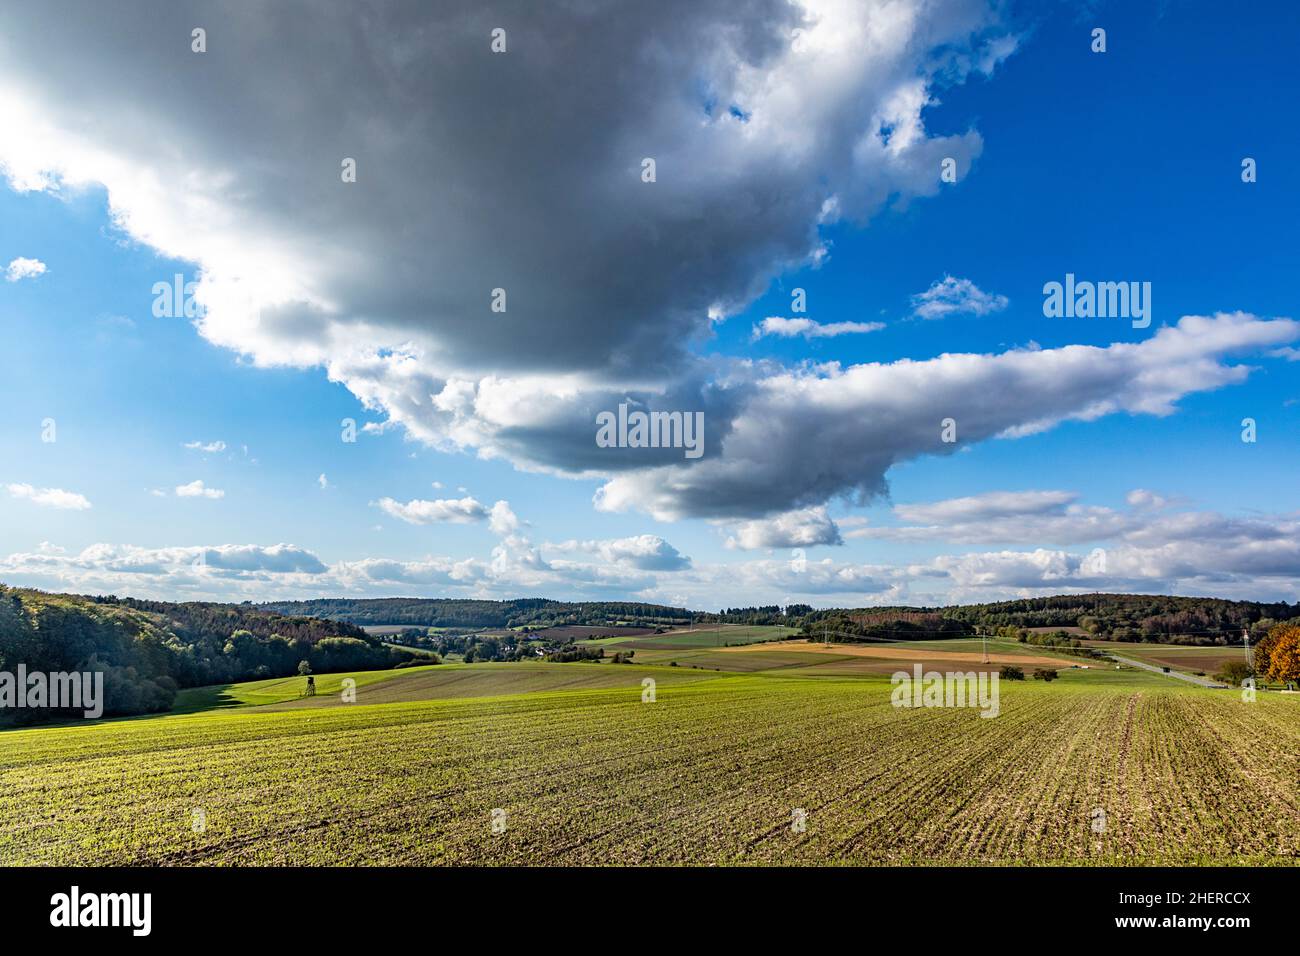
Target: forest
{"x":1114,"y":617}
{"x":455,"y":613}
{"x":148,"y":650}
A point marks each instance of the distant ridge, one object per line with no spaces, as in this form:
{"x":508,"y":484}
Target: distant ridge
{"x":1123,"y":617}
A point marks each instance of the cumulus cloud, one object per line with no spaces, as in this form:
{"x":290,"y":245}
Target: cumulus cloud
{"x":220,"y":571}
{"x":50,"y":497}
{"x":993,"y":504}
{"x":502,"y":520}
{"x":646,"y":552}
{"x":275,"y":559}
{"x":452,"y":510}
{"x":793,"y":529}
{"x":805,"y":436}
{"x":610,"y":281}
{"x":949,"y":296}
{"x":1021,"y":517}
{"x":789,"y":328}
{"x":1197,"y":554}
{"x":197,"y":489}
{"x":1255,"y":557}
{"x":22,"y":268}
{"x":1145,"y":499}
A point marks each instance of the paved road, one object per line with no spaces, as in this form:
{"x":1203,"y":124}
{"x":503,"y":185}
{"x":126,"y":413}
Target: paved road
{"x":1179,"y":675}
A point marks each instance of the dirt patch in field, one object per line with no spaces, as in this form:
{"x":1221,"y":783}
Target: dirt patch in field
{"x":927,"y":657}
{"x":1178,"y":656}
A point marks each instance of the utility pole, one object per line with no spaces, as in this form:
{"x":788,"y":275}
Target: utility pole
{"x":985,"y":639}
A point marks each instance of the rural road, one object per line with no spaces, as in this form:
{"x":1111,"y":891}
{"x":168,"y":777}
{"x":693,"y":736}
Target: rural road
{"x":1190,"y":678}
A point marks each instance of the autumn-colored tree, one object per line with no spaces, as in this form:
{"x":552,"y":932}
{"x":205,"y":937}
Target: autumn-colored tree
{"x":1283,"y":653}
{"x":1262,"y":652}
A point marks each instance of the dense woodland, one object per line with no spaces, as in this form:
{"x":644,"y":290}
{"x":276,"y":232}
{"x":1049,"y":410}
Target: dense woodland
{"x":442,"y":612}
{"x":1112,"y":617}
{"x":1115,"y":617}
{"x":1134,"y":617}
{"x":149,"y":649}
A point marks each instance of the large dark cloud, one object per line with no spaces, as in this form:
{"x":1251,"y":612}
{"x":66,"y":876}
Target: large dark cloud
{"x":767,"y":120}
{"x":479,"y":170}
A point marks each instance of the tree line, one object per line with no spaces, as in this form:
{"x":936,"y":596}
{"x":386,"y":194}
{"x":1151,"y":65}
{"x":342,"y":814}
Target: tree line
{"x":456,"y":613}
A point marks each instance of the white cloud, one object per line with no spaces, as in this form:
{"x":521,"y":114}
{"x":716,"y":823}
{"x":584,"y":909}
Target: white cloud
{"x":1143,"y":499}
{"x":802,"y":437}
{"x":50,"y":497}
{"x":949,"y":296}
{"x":993,"y":504}
{"x":1198,"y":554}
{"x":196,"y":489}
{"x":793,"y":529}
{"x":502,"y":520}
{"x":1256,"y":557}
{"x":999,"y":517}
{"x":227,"y":571}
{"x":789,"y":328}
{"x":646,"y":552}
{"x":323,"y":481}
{"x":419,"y":511}
{"x":22,"y":268}
{"x":208,"y":448}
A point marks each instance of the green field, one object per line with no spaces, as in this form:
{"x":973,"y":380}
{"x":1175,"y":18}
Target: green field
{"x":711,"y":771}
{"x":277,"y":689}
{"x":489,"y":680}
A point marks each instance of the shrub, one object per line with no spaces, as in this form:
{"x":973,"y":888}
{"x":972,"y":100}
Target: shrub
{"x":1010,"y":672}
{"x":1233,"y":673}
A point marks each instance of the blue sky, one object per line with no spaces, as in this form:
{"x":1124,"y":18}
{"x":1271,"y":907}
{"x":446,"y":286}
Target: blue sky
{"x":1115,"y":166}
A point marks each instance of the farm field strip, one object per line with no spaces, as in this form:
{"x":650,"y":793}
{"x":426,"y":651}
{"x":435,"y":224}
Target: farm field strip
{"x":492,"y":680}
{"x":700,"y":638}
{"x":902,"y":655}
{"x":1180,"y":657}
